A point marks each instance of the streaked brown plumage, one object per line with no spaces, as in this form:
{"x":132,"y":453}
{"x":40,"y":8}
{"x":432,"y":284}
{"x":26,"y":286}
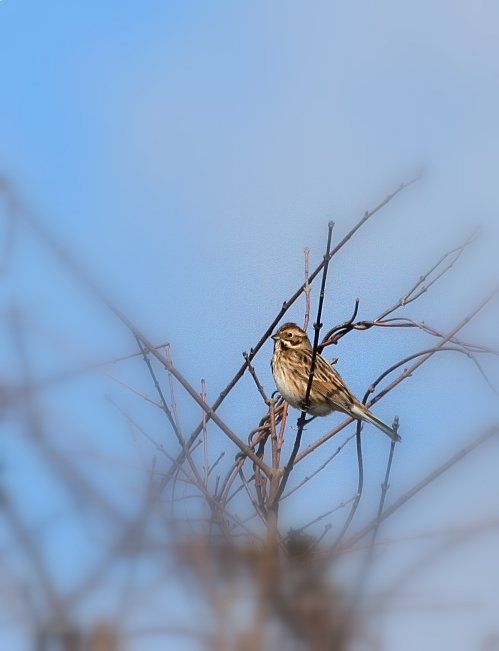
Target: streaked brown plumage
{"x":291,"y":367}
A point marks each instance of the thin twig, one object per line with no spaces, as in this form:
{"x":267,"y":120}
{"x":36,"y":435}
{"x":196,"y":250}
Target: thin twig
{"x":339,"y":506}
{"x":317,"y":327}
{"x":205,"y":438}
{"x":215,"y":463}
{"x":420,"y":288}
{"x":259,"y":509}
{"x":306,"y":290}
{"x":253,"y":374}
{"x":360,"y":486}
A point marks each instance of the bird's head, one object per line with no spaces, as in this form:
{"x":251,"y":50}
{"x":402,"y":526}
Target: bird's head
{"x":290,"y":335}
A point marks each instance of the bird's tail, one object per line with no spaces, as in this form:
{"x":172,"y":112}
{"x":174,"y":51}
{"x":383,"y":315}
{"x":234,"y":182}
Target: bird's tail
{"x":359,"y":411}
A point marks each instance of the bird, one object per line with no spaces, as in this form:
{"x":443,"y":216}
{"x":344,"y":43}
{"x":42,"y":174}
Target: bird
{"x":291,"y":362}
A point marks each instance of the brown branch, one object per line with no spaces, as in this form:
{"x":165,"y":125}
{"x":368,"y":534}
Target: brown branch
{"x":205,"y":439}
{"x":215,"y":463}
{"x":406,"y":322}
{"x":259,"y":506}
{"x":339,"y":506}
{"x":360,"y":486}
{"x":253,"y":374}
{"x":306,"y":290}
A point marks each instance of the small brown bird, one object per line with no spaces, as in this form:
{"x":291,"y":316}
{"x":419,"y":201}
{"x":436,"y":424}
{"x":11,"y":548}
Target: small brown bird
{"x":291,"y":363}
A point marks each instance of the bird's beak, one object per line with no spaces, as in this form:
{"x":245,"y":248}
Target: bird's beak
{"x":275,"y":337}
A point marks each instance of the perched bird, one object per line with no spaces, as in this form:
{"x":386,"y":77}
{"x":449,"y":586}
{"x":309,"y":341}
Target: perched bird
{"x":291,"y":363}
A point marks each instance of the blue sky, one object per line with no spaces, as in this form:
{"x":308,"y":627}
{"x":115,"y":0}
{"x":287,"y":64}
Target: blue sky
{"x":188,"y":151}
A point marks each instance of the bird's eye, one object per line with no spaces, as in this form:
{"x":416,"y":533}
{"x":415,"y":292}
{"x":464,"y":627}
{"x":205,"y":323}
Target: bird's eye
{"x":289,"y":335}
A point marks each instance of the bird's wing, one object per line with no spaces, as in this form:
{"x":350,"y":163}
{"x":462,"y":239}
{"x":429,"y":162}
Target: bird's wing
{"x":329,"y":384}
